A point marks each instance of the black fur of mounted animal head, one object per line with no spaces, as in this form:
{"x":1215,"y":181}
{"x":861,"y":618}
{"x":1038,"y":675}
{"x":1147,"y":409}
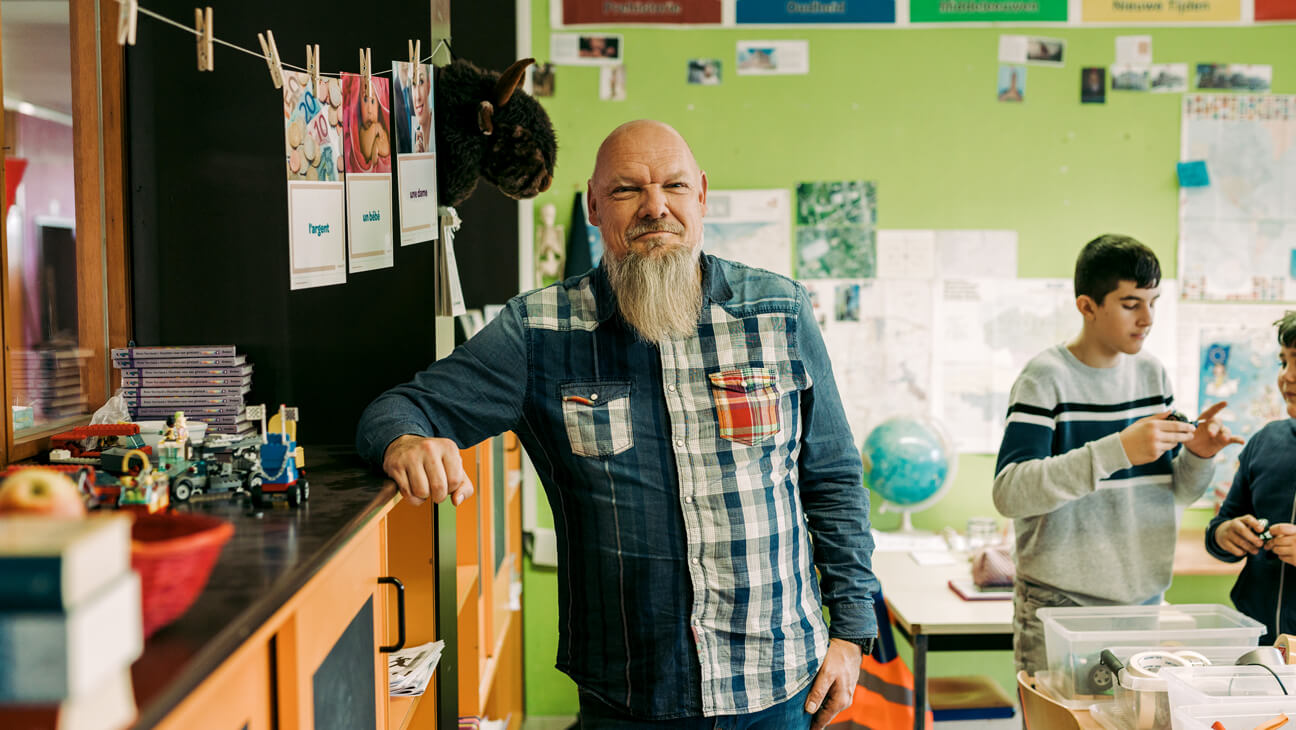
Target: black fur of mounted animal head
{"x":487,"y":127}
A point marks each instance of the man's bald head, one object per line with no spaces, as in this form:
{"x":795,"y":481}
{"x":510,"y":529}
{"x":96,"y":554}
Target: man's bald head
{"x":641,"y":137}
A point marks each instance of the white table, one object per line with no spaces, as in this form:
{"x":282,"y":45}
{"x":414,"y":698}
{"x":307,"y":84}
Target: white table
{"x":934,"y":618}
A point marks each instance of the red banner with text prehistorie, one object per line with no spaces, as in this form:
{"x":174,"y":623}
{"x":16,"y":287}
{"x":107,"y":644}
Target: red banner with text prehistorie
{"x":656,"y":12}
{"x":1275,"y":9}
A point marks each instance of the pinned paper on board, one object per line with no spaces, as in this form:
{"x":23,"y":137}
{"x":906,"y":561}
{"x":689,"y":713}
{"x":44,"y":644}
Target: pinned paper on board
{"x":316,"y":195}
{"x":1193,"y":174}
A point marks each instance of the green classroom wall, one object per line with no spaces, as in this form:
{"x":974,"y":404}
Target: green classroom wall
{"x":915,"y":110}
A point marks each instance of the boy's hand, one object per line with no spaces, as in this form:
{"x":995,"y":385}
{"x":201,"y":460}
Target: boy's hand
{"x":1283,"y":543}
{"x":1146,"y":439}
{"x":1240,"y":535}
{"x":1211,"y":434}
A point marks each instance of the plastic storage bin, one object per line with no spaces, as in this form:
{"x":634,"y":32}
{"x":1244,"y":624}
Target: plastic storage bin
{"x":1143,"y":703}
{"x":1074,"y":638}
{"x":1240,"y":715}
{"x":1208,"y":685}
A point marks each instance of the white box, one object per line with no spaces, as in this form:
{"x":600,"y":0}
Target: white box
{"x":1240,"y":715}
{"x":1216,"y":684}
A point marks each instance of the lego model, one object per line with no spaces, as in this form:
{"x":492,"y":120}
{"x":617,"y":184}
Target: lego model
{"x":123,"y":435}
{"x":281,"y":461}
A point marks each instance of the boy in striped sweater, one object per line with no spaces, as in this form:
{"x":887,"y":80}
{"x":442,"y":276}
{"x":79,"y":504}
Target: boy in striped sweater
{"x":1090,"y":468}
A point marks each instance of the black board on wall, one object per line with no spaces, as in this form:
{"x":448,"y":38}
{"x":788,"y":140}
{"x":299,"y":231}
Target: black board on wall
{"x":209,"y":217}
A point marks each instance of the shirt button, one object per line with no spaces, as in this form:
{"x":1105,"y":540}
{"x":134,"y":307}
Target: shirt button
{"x":688,"y":500}
{"x":679,"y":443}
{"x":696,"y":561}
{"x":671,"y":387}
{"x":593,"y":396}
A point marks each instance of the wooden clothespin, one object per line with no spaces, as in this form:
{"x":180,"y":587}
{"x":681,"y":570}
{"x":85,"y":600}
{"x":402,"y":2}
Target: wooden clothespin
{"x":366,"y":76}
{"x":271,"y":52}
{"x":414,"y":61}
{"x":313,"y":67}
{"x":127,"y":12}
{"x":203,"y":24}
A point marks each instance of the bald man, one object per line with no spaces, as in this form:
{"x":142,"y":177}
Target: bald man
{"x":681,"y":412}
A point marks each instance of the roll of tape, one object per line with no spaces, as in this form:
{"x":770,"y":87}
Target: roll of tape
{"x":1148,"y":663}
{"x":1284,"y":644}
{"x":1193,"y":658}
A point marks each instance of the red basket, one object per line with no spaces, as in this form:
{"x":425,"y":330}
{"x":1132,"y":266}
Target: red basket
{"x":174,"y":553}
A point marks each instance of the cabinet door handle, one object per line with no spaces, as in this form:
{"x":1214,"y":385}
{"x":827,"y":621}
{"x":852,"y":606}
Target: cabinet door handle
{"x":400,"y":614}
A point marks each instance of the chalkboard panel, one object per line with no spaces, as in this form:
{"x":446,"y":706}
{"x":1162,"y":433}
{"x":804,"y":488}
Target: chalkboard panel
{"x":209,"y":219}
{"x":343,"y":685}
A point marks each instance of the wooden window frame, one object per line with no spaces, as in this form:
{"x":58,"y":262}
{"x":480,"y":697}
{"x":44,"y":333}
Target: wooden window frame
{"x":99,"y":174}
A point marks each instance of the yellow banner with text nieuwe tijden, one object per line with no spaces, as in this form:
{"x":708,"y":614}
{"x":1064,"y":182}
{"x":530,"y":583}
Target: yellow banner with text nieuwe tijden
{"x":1161,"y":11}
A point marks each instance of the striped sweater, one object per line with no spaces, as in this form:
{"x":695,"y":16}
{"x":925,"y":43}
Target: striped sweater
{"x":1088,"y":523}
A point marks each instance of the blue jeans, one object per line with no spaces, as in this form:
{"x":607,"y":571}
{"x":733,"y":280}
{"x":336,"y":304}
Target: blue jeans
{"x":595,"y":714}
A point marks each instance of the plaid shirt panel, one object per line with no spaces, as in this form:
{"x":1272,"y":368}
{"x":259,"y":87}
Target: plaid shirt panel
{"x":746,"y":404}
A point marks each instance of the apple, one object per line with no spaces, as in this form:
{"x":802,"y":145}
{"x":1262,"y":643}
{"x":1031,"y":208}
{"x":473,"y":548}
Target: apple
{"x":41,"y":492}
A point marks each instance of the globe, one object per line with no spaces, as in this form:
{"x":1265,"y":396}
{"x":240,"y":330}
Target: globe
{"x":910,"y":461}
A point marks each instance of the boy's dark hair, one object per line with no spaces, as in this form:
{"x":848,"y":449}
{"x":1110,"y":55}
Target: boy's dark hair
{"x":1110,"y":259}
{"x":1287,"y":329}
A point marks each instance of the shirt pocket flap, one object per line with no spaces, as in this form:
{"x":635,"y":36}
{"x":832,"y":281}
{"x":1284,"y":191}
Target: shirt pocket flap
{"x":594,"y":394}
{"x":744,"y":380}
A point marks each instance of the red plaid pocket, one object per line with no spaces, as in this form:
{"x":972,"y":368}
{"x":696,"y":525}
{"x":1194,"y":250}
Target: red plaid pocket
{"x":747,"y":404}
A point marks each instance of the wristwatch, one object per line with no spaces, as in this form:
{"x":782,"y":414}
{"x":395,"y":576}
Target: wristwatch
{"x":865,"y":644}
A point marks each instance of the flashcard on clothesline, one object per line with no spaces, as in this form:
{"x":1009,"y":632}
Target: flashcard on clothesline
{"x":316,"y":193}
{"x":413,"y":108}
{"x":365,"y":110}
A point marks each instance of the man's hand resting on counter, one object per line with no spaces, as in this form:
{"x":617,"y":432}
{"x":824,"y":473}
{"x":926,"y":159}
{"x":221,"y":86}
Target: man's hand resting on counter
{"x":427,"y":468}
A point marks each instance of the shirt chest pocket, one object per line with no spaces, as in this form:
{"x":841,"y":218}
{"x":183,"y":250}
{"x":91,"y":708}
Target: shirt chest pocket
{"x":597,"y":417}
{"x":747,"y":404}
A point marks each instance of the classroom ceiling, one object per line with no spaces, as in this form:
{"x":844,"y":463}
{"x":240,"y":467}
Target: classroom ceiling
{"x":36,"y":54}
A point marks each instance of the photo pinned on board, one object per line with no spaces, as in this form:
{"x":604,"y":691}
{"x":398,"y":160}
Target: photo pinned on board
{"x":365,"y":113}
{"x":847,"y":303}
{"x":1045,"y":51}
{"x":1093,"y":85}
{"x":1234,"y":77}
{"x":542,"y":79}
{"x":704,"y":71}
{"x":412,"y":98}
{"x":1012,"y":83}
{"x":612,"y":83}
{"x":1168,"y":78}
{"x":600,"y":47}
{"x":1129,"y":77}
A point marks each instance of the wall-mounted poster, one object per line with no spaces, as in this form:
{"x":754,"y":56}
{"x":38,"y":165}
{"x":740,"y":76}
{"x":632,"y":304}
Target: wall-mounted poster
{"x":964,"y":11}
{"x":368,"y":164}
{"x":635,"y":12}
{"x":799,"y":12}
{"x":415,"y":151}
{"x":1160,"y":11}
{"x":316,"y":196}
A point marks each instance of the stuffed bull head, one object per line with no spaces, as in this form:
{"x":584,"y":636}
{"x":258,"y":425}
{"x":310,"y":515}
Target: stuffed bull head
{"x":487,"y":127}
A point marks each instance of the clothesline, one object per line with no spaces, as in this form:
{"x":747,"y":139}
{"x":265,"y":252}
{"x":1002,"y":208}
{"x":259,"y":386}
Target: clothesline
{"x":262,"y":56}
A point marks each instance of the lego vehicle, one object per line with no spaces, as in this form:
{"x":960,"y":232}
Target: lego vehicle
{"x":222,"y":466}
{"x":110,"y":435}
{"x":281,"y":462}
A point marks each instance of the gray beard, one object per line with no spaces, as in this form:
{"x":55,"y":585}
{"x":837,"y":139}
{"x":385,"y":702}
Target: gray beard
{"x":659,"y":296}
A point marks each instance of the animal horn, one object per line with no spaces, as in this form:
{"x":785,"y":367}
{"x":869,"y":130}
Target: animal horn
{"x":484,"y":112}
{"x":510,"y":80}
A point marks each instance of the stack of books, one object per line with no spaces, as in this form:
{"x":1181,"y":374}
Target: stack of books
{"x":208,"y":384}
{"x":70,"y":623}
{"x":49,"y":381}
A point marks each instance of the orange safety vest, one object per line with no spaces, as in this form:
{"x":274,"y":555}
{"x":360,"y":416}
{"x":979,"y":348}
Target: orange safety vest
{"x":883,"y":699}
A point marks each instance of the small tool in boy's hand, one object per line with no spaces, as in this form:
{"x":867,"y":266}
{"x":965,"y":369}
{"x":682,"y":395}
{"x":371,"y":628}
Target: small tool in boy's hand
{"x":1178,"y":416}
{"x":1263,"y":533}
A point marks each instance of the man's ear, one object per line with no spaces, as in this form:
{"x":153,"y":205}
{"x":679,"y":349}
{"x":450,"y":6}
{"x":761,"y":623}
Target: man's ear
{"x":590,"y":210}
{"x":704,"y":191}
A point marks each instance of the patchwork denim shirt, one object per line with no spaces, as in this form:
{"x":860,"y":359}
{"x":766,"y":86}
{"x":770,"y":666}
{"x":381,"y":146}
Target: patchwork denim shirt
{"x":696,"y":487}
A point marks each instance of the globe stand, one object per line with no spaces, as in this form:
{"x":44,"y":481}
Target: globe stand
{"x":906,"y":519}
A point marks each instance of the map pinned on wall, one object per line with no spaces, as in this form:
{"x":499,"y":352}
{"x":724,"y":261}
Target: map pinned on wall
{"x":1236,"y":235}
{"x":771,"y":58}
{"x":836,"y":230}
{"x":750,"y":226}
